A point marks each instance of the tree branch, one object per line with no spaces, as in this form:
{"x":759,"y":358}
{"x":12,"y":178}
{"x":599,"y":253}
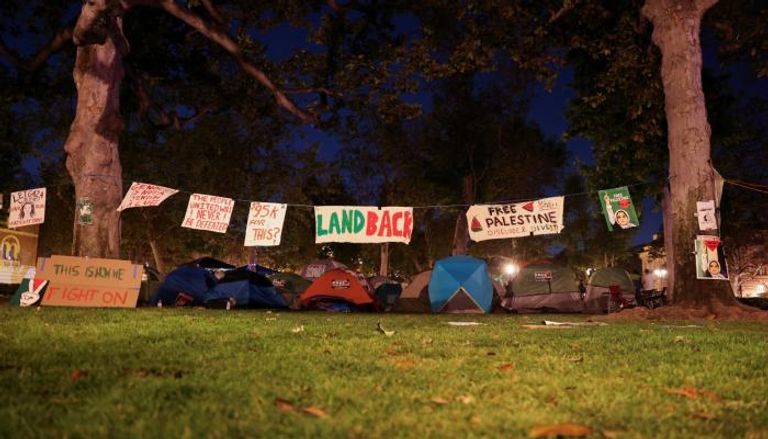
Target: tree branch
{"x":222,"y":39}
{"x":60,"y":38}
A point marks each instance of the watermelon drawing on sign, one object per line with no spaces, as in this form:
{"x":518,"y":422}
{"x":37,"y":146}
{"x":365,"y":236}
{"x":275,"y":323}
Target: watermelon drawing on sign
{"x":476,"y":226}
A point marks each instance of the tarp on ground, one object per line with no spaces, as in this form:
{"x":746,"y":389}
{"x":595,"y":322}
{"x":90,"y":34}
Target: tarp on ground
{"x":336,"y":286}
{"x":461,"y":284}
{"x":598,"y":289}
{"x":544,"y":288}
{"x":188,"y":285}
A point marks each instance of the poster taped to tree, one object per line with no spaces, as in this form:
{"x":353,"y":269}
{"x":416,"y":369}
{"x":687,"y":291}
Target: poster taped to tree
{"x":27,"y":208}
{"x":710,"y":261}
{"x":364,"y":224}
{"x":144,"y":194}
{"x":499,"y":221}
{"x":265,"y":224}
{"x":705,"y":212}
{"x":208,"y":212}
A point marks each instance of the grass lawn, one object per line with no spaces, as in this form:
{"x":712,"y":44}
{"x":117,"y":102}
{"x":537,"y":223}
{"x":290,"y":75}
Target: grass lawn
{"x":177,"y":373}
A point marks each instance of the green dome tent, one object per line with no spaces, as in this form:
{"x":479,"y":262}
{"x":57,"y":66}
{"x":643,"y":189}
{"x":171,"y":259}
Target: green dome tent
{"x":544,"y":288}
{"x":598,"y":289}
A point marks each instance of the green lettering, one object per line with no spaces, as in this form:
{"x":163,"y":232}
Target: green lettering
{"x":334,"y":223}
{"x":359,"y":221}
{"x":319,"y":223}
{"x":346,"y":221}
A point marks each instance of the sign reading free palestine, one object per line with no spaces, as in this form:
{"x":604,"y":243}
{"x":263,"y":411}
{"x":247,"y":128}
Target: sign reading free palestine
{"x":363,"y":224}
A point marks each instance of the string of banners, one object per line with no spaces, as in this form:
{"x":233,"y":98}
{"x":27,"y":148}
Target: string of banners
{"x":355,"y":224}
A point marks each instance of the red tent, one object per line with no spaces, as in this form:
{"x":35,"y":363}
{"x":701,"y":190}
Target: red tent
{"x":337,"y":285}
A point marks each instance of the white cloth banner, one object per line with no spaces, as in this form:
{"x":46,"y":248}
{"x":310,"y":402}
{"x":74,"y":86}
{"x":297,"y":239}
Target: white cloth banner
{"x":144,"y":194}
{"x":265,"y":224}
{"x":208,"y":212}
{"x":706,"y":215}
{"x":27,"y":208}
{"x":363,"y":224}
{"x":499,"y":221}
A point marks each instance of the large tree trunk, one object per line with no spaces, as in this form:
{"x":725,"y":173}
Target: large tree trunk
{"x":384,"y":259}
{"x":92,"y":146}
{"x":676,"y":30}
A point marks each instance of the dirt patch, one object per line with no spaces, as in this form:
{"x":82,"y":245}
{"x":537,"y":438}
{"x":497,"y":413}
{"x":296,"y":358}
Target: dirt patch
{"x":679,"y":312}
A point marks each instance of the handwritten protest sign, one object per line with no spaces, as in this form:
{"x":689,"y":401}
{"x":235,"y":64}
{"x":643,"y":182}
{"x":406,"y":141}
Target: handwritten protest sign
{"x":143,"y":194}
{"x":363,"y":224}
{"x":27,"y":208}
{"x":499,"y":221}
{"x":618,"y":208}
{"x":89,"y":282}
{"x":208,"y":212}
{"x":265,"y":224}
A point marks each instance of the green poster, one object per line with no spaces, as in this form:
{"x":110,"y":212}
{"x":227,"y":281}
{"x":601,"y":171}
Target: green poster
{"x":618,"y":208}
{"x":84,"y":211}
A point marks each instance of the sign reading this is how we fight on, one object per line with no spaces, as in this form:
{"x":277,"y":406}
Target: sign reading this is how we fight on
{"x":498,"y":221}
{"x":89,"y":282}
{"x":208,"y":212}
{"x":144,"y":195}
{"x":363,"y":224}
{"x":265,"y":224}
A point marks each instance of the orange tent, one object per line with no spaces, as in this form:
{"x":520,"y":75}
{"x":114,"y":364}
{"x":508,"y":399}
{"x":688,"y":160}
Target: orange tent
{"x":337,"y":284}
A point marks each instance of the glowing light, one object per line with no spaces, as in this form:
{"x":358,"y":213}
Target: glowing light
{"x":660,"y":272}
{"x":510,"y":269}
{"x":761,"y":289}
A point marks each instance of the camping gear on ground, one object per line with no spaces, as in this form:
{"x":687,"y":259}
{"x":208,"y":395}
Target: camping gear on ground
{"x":190,"y":285}
{"x":387,"y":295}
{"x":290,"y":286}
{"x":542,"y":287}
{"x":317,"y":268}
{"x":337,"y":286}
{"x":609,"y":289}
{"x":460,"y":284}
{"x":415,"y":296}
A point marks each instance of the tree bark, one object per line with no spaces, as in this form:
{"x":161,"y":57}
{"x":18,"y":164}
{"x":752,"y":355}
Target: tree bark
{"x":92,"y":145}
{"x":384,"y":259}
{"x":461,"y":230}
{"x":676,"y":31}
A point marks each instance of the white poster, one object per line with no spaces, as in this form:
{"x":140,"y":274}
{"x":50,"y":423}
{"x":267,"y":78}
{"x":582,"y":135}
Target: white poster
{"x":499,"y":221}
{"x":363,"y":224}
{"x":208,"y":212}
{"x":706,"y":215}
{"x":143,"y":194}
{"x":27,"y":208}
{"x":265,"y":224}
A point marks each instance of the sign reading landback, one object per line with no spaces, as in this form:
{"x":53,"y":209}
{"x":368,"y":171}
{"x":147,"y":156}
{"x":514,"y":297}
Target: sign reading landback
{"x":208,"y":212}
{"x":143,"y":195}
{"x":89,"y":282}
{"x":27,"y":208}
{"x":265,"y":224}
{"x":499,"y":221}
{"x":363,"y":224}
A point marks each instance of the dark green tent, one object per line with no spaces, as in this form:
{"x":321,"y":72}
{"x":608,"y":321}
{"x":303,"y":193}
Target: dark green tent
{"x":544,"y":288}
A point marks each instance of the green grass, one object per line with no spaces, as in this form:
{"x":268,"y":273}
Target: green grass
{"x":177,"y":373}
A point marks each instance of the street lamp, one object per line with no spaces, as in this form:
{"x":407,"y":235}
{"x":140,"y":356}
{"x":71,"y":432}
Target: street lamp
{"x":510,"y":269}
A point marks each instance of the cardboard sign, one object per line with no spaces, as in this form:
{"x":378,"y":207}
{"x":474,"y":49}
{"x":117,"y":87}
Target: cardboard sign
{"x":208,"y":212}
{"x":363,"y":224}
{"x":710,"y":261}
{"x":265,"y":224}
{"x":499,"y":221}
{"x":27,"y":208}
{"x":617,"y":208}
{"x":89,"y":282}
{"x":706,"y":215}
{"x":143,"y":195}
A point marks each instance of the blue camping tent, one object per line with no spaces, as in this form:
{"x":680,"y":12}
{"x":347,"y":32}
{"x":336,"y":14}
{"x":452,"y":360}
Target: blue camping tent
{"x":190,"y":285}
{"x":460,"y":284}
